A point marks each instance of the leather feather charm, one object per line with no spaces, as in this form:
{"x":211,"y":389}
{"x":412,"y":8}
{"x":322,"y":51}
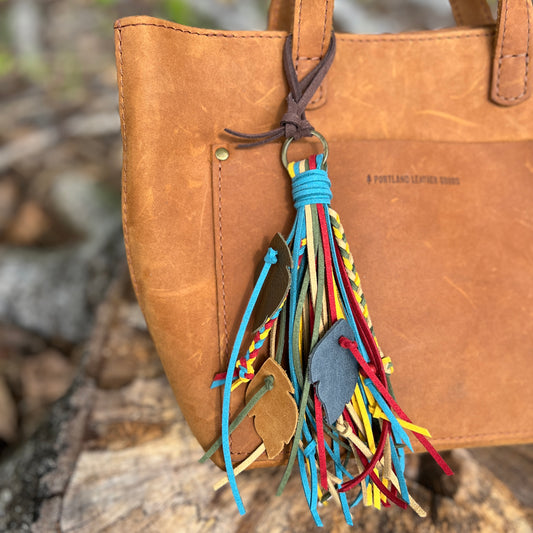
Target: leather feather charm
{"x":334,"y":383}
{"x":276,"y":415}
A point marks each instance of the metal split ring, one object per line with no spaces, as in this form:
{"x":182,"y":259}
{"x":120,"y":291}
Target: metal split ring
{"x":315,"y":133}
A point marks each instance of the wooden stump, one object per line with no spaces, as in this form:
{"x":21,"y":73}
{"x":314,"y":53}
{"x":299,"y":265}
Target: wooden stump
{"x":117,"y":456}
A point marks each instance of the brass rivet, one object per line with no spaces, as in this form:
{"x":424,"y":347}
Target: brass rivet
{"x":221,"y":154}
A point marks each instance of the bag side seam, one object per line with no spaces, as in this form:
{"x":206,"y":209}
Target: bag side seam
{"x":125,"y":163}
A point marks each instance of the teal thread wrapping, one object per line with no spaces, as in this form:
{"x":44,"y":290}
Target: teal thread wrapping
{"x":311,"y":187}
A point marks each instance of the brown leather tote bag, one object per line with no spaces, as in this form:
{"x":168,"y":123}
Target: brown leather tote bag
{"x":431,"y":157}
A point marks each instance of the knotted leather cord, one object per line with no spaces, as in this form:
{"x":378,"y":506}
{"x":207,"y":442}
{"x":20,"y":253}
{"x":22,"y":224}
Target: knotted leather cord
{"x":294,"y":122}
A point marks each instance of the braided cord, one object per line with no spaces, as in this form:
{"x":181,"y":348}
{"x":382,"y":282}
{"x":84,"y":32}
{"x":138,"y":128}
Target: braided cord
{"x":355,"y":281}
{"x":245,"y":364}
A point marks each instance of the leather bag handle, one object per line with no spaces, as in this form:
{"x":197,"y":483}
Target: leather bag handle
{"x":312,"y":22}
{"x":471,"y":12}
{"x":513,"y":47}
{"x":465,"y":13}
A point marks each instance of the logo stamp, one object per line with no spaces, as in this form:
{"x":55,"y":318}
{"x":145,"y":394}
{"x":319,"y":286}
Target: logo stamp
{"x":411,"y":179}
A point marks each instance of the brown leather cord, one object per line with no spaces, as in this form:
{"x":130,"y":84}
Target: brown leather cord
{"x":294,"y":122}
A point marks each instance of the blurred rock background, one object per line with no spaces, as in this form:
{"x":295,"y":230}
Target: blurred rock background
{"x":78,"y":374}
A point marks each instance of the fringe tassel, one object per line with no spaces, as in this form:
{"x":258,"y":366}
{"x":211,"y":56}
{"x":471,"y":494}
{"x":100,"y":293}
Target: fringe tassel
{"x":348,"y":433}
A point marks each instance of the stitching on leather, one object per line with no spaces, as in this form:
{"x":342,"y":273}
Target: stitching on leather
{"x":321,"y":94}
{"x":392,"y":39}
{"x":502,"y":57}
{"x":324,"y":29}
{"x":501,"y":49}
{"x":124,"y":163}
{"x":299,"y":33}
{"x":528,"y":7}
{"x":214,"y":34}
{"x":224,"y":351}
{"x":221,"y":252}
